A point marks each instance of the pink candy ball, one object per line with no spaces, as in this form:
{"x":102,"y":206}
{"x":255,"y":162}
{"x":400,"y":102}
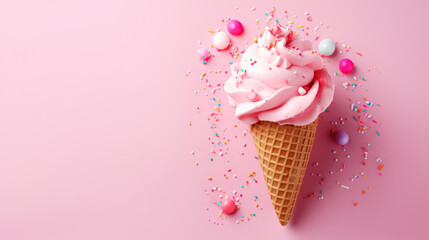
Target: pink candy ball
{"x":203,"y":53}
{"x":228,"y":206}
{"x":234,"y":27}
{"x":346,"y":66}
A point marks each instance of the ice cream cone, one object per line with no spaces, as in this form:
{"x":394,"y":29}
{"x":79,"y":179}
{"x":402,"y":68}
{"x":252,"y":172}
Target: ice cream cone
{"x":283,"y":152}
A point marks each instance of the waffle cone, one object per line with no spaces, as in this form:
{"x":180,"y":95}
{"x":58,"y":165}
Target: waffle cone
{"x":283,"y":154}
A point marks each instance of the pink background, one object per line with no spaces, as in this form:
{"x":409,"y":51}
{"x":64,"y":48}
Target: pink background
{"x":94,"y":135}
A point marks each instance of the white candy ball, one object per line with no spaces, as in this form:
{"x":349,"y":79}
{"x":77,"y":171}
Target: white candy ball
{"x":221,"y":40}
{"x":327,"y":47}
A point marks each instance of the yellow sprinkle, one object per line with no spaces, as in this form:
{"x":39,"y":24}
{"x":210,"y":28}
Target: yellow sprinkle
{"x":291,"y":22}
{"x":235,"y":125}
{"x":190,"y":123}
{"x":202,"y":75}
{"x":215,"y":72}
{"x":235,"y":56}
{"x":241,"y":219}
{"x":211,"y":45}
{"x":364,"y":175}
{"x":217,"y":109}
{"x":220,"y":215}
{"x":348,"y":47}
{"x":299,"y":26}
{"x":370,"y":188}
{"x":224,"y":142}
{"x":295,"y":33}
{"x":255,"y":39}
{"x":211,"y":31}
{"x":196,"y":163}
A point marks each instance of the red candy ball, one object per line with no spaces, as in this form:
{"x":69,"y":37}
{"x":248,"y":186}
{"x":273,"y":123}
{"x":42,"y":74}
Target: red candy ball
{"x":228,"y":206}
{"x":346,"y":66}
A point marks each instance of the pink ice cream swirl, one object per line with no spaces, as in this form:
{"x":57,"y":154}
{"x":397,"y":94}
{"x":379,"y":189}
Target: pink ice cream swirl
{"x":279,"y":79}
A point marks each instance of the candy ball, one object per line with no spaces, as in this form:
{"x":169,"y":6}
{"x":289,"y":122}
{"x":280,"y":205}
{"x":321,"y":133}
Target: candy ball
{"x":228,"y":206}
{"x":203,"y":53}
{"x":327,"y":47}
{"x":221,"y":40}
{"x":341,"y":138}
{"x":234,"y":27}
{"x":346,"y":66}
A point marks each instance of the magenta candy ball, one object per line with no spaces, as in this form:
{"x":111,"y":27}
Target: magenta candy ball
{"x":234,"y":27}
{"x":342,"y":138}
{"x":346,"y":66}
{"x":228,"y":206}
{"x":203,"y":53}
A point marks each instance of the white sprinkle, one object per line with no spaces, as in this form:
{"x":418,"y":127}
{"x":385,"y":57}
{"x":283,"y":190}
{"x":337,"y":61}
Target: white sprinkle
{"x":301,"y":91}
{"x":234,"y":192}
{"x":198,"y":41}
{"x":195,"y":92}
{"x":379,"y":160}
{"x":252,"y":9}
{"x":192,"y":152}
{"x":294,"y":16}
{"x":306,"y":13}
{"x":321,"y":23}
{"x":346,"y":187}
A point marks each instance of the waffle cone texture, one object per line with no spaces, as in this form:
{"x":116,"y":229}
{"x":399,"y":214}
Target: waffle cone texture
{"x":283,"y":152}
